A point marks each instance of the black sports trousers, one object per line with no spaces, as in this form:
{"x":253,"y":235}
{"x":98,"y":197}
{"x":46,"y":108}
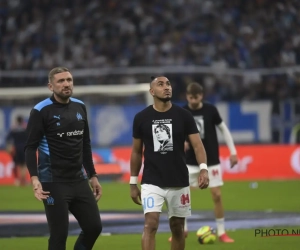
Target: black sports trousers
{"x":76,"y":197}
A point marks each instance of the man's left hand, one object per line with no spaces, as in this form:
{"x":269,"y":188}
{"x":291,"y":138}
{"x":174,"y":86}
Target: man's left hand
{"x":97,"y":189}
{"x":203,"y":179}
{"x":233,"y":160}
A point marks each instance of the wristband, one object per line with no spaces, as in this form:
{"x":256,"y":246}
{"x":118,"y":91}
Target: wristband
{"x":133,"y":180}
{"x":203,"y":166}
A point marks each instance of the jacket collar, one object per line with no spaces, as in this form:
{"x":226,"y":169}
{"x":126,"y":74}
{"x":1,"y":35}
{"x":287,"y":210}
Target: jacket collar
{"x":55,"y":101}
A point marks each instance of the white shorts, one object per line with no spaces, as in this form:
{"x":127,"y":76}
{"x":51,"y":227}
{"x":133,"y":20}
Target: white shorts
{"x":214,"y":174}
{"x":178,"y":200}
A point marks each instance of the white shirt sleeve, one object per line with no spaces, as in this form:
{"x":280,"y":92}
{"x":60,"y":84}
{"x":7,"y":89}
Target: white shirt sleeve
{"x":228,"y":138}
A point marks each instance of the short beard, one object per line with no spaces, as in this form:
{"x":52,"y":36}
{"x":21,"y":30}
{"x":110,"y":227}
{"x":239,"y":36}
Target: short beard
{"x":63,"y":96}
{"x":164,"y":100}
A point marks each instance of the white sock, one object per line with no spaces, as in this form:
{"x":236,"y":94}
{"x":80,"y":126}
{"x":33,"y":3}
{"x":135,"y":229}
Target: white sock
{"x":185,"y":225}
{"x":220,"y":226}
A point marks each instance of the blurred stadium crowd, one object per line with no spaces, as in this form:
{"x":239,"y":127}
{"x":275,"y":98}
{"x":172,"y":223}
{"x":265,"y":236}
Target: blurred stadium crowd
{"x":222,"y":34}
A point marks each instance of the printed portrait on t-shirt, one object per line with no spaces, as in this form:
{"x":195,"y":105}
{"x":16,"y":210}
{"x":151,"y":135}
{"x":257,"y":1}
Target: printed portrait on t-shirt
{"x":200,"y":125}
{"x":162,"y":137}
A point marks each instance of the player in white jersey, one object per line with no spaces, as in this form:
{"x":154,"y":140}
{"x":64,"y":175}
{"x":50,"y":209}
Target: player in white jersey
{"x":161,"y":130}
{"x":207,"y":119}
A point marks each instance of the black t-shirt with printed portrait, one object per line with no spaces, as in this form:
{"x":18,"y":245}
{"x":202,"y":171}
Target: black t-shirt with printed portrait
{"x":206,"y":118}
{"x":163,"y":135}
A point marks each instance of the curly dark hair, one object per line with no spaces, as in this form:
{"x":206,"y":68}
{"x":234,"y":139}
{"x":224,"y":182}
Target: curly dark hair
{"x":163,"y":127}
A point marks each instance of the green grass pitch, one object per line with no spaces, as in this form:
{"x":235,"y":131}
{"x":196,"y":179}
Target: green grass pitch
{"x":244,"y":240}
{"x":275,"y":195}
{"x":237,"y":196}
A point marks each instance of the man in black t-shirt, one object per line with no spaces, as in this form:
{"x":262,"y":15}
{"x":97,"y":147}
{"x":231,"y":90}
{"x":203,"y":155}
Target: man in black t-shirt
{"x":207,"y":119}
{"x":161,"y":130}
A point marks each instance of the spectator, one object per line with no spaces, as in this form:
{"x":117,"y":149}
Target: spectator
{"x":222,"y":34}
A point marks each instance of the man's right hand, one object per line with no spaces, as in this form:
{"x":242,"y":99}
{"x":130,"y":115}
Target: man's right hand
{"x":135,"y":194}
{"x":39,"y":193}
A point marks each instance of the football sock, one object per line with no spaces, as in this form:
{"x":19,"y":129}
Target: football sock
{"x":220,"y":226}
{"x":185,"y":225}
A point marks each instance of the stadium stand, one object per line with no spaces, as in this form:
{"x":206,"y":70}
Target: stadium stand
{"x":241,"y":34}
